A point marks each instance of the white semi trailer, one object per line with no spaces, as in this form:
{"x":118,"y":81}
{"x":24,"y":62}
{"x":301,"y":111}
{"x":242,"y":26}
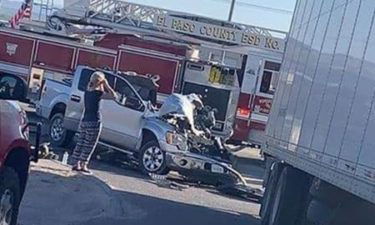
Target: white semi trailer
{"x":320,"y":147}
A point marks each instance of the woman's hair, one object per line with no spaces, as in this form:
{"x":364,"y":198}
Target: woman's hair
{"x":94,"y":80}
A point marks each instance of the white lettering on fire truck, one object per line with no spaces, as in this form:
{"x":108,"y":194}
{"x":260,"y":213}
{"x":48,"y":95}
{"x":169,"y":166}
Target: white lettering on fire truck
{"x":220,"y":33}
{"x":11,"y":48}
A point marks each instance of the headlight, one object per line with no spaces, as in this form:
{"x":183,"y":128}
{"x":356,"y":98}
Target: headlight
{"x":178,"y":140}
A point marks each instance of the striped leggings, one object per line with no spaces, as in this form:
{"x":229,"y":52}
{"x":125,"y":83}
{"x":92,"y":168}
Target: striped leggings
{"x":89,"y":133}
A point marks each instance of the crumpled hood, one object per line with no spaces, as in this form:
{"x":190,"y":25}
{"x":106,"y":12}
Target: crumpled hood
{"x":178,"y":105}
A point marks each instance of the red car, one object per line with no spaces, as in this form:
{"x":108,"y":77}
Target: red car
{"x":15,"y":148}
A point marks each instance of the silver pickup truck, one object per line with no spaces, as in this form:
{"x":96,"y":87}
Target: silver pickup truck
{"x":130,"y":123}
{"x":176,"y":137}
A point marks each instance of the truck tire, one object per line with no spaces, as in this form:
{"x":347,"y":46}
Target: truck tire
{"x":59,"y":136}
{"x":10,"y":196}
{"x":270,"y":192}
{"x":318,"y":213}
{"x":330,"y":205}
{"x":289,"y":201}
{"x":152,"y":159}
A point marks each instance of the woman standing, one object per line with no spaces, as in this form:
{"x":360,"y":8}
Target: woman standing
{"x":90,"y":124}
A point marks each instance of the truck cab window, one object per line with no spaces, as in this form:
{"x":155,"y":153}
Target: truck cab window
{"x":11,"y":87}
{"x":7,"y":86}
{"x":127,"y":96}
{"x":85,"y":78}
{"x":123,"y":89}
{"x":270,"y":77}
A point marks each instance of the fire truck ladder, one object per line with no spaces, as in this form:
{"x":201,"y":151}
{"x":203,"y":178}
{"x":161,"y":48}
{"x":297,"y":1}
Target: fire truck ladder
{"x":124,"y":16}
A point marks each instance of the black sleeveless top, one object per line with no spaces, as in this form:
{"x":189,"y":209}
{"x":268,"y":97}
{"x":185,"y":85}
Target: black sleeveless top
{"x":92,"y":106}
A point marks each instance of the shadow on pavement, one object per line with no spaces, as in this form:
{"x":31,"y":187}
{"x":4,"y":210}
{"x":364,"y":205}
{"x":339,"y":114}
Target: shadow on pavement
{"x":249,"y":199}
{"x":156,"y":211}
{"x":117,"y":168}
{"x":56,"y":195}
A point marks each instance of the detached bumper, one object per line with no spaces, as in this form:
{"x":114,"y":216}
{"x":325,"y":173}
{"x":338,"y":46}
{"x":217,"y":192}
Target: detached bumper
{"x":203,"y":169}
{"x":177,"y":159}
{"x":189,"y":161}
{"x":196,"y":165}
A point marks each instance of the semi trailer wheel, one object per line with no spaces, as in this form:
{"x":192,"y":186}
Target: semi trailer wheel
{"x":288,"y":204}
{"x":269,"y":192}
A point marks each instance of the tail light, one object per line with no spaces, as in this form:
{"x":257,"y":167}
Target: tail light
{"x":243,"y":112}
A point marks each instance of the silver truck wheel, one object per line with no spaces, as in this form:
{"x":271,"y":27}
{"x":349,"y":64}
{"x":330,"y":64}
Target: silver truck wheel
{"x":57,"y":129}
{"x":152,"y":159}
{"x":59,"y":136}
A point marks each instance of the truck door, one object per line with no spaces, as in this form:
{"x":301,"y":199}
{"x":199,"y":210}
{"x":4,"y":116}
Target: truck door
{"x":123,"y":118}
{"x":75,"y":106}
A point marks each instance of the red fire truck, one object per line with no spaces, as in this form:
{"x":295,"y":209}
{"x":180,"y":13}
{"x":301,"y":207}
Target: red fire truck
{"x":237,"y":63}
{"x":21,"y":52}
{"x":257,"y":89}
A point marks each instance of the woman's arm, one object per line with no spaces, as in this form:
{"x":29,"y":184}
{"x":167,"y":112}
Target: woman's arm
{"x":112,"y":94}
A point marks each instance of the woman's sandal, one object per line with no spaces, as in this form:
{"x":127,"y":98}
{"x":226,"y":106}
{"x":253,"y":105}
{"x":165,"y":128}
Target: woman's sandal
{"x":75,"y":168}
{"x":86,"y":171}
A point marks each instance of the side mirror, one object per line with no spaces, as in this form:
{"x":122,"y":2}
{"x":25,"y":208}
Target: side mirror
{"x":12,"y":88}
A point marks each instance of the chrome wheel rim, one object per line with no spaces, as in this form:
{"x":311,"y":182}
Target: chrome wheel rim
{"x":57,"y":129}
{"x":6,"y":207}
{"x":153,"y":159}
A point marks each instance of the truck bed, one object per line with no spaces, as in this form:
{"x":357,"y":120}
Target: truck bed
{"x":53,"y":92}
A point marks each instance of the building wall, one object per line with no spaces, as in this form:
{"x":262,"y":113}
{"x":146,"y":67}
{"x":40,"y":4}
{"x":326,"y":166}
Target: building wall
{"x":324,"y":102}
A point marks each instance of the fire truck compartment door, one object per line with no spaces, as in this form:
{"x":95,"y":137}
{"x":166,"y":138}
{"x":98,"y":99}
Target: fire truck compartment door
{"x":214,"y":97}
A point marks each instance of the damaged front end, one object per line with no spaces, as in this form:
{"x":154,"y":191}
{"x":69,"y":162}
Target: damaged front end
{"x":202,"y":157}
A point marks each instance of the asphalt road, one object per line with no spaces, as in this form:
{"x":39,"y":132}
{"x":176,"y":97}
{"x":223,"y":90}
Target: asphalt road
{"x":145,"y":203}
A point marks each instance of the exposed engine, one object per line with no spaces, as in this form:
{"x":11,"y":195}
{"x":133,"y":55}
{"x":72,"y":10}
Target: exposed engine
{"x":208,"y":144}
{"x":203,"y":119}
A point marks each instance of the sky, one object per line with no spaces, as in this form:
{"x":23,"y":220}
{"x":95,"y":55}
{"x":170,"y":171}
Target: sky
{"x":273,"y":14}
